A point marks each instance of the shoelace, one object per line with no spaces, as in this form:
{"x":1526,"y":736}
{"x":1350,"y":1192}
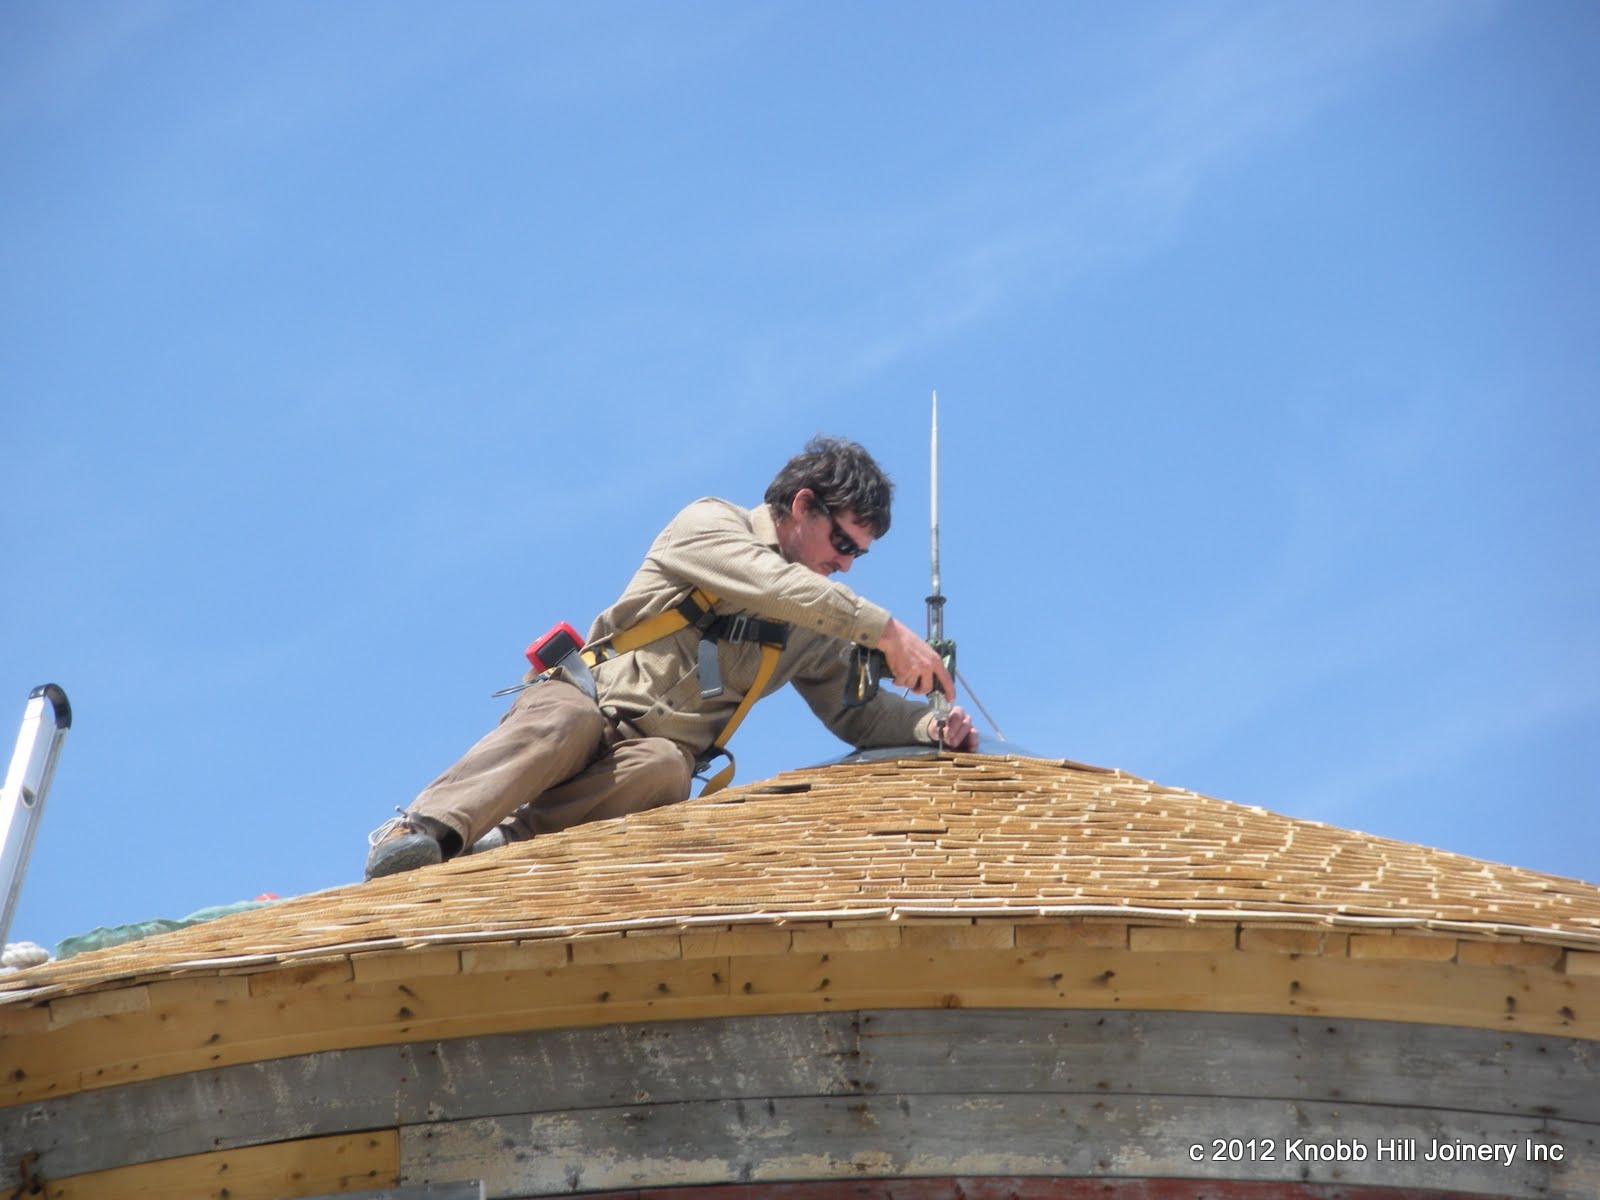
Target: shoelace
{"x":389,"y":826}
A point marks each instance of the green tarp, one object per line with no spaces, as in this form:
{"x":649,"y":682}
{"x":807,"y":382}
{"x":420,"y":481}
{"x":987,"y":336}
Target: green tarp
{"x":116,"y":935}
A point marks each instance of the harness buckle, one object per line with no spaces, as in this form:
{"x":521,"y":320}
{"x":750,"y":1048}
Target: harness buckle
{"x":710,"y":670}
{"x":722,"y":778}
{"x":705,"y":758}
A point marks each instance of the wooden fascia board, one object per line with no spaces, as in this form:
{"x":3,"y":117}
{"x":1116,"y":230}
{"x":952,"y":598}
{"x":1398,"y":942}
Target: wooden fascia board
{"x":154,"y":1029}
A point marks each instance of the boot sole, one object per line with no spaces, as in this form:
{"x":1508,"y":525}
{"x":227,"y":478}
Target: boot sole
{"x":405,"y":854}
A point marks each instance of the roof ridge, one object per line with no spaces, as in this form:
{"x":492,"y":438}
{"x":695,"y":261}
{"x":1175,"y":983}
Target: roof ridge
{"x":962,"y":836}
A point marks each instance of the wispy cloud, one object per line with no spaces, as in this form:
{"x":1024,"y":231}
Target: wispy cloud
{"x":1462,"y":725}
{"x":1388,"y":638}
{"x":1107,"y":178}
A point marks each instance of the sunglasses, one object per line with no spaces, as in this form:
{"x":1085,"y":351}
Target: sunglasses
{"x":837,"y":537}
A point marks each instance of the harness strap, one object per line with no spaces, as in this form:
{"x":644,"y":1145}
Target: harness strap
{"x":742,"y":628}
{"x":719,"y":748}
{"x":693,"y":609}
{"x":738,"y":628}
{"x":696,"y":609}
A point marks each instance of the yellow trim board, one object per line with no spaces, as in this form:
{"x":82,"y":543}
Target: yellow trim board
{"x":279,"y":1171}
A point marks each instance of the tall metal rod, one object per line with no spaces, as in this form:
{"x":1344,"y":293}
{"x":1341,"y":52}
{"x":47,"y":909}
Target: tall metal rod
{"x":936,"y":638}
{"x":936,"y":598}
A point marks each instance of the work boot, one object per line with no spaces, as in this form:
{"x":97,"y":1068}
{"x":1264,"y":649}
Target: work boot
{"x":492,"y":840}
{"x":402,"y":843}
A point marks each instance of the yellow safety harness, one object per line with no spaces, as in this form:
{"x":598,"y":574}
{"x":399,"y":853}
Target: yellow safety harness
{"x":696,"y":609}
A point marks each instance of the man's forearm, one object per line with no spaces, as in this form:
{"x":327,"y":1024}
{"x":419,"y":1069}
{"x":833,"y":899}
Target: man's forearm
{"x":711,"y":546}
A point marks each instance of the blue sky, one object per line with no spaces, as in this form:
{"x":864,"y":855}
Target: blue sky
{"x":344,"y":348}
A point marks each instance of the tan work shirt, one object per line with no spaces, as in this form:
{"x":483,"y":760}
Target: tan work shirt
{"x":732,"y":553}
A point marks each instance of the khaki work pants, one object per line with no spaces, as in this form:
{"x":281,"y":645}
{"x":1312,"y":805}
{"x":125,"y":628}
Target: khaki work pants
{"x":554,"y":761}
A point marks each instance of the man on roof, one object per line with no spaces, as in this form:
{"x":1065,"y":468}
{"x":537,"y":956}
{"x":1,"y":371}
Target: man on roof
{"x":559,"y":758}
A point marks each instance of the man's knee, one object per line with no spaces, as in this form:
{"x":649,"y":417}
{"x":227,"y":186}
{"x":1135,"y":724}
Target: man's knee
{"x":658,"y":772}
{"x":556,"y":707}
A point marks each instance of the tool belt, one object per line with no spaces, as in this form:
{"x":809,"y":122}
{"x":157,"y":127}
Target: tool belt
{"x":697,"y":610}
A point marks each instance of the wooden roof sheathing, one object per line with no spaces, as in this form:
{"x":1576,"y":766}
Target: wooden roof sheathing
{"x":955,"y":836}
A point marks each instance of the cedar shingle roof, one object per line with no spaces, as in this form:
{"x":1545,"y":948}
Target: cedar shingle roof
{"x":956,"y":836}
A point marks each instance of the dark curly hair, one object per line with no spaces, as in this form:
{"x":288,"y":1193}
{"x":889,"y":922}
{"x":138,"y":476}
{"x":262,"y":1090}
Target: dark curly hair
{"x":843,"y":477}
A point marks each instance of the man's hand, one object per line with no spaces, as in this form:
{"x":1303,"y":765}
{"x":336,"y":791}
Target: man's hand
{"x":912,"y":662}
{"x":958,"y":731}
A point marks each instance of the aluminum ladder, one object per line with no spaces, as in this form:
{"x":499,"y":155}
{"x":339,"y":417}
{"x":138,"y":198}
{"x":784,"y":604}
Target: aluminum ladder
{"x":44,"y":727}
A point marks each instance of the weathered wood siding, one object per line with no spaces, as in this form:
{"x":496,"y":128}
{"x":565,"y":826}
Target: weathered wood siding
{"x":716,"y":1141}
{"x":899,"y":1093}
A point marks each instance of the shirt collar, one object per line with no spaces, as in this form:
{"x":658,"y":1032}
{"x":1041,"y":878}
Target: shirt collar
{"x":763,"y":526}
